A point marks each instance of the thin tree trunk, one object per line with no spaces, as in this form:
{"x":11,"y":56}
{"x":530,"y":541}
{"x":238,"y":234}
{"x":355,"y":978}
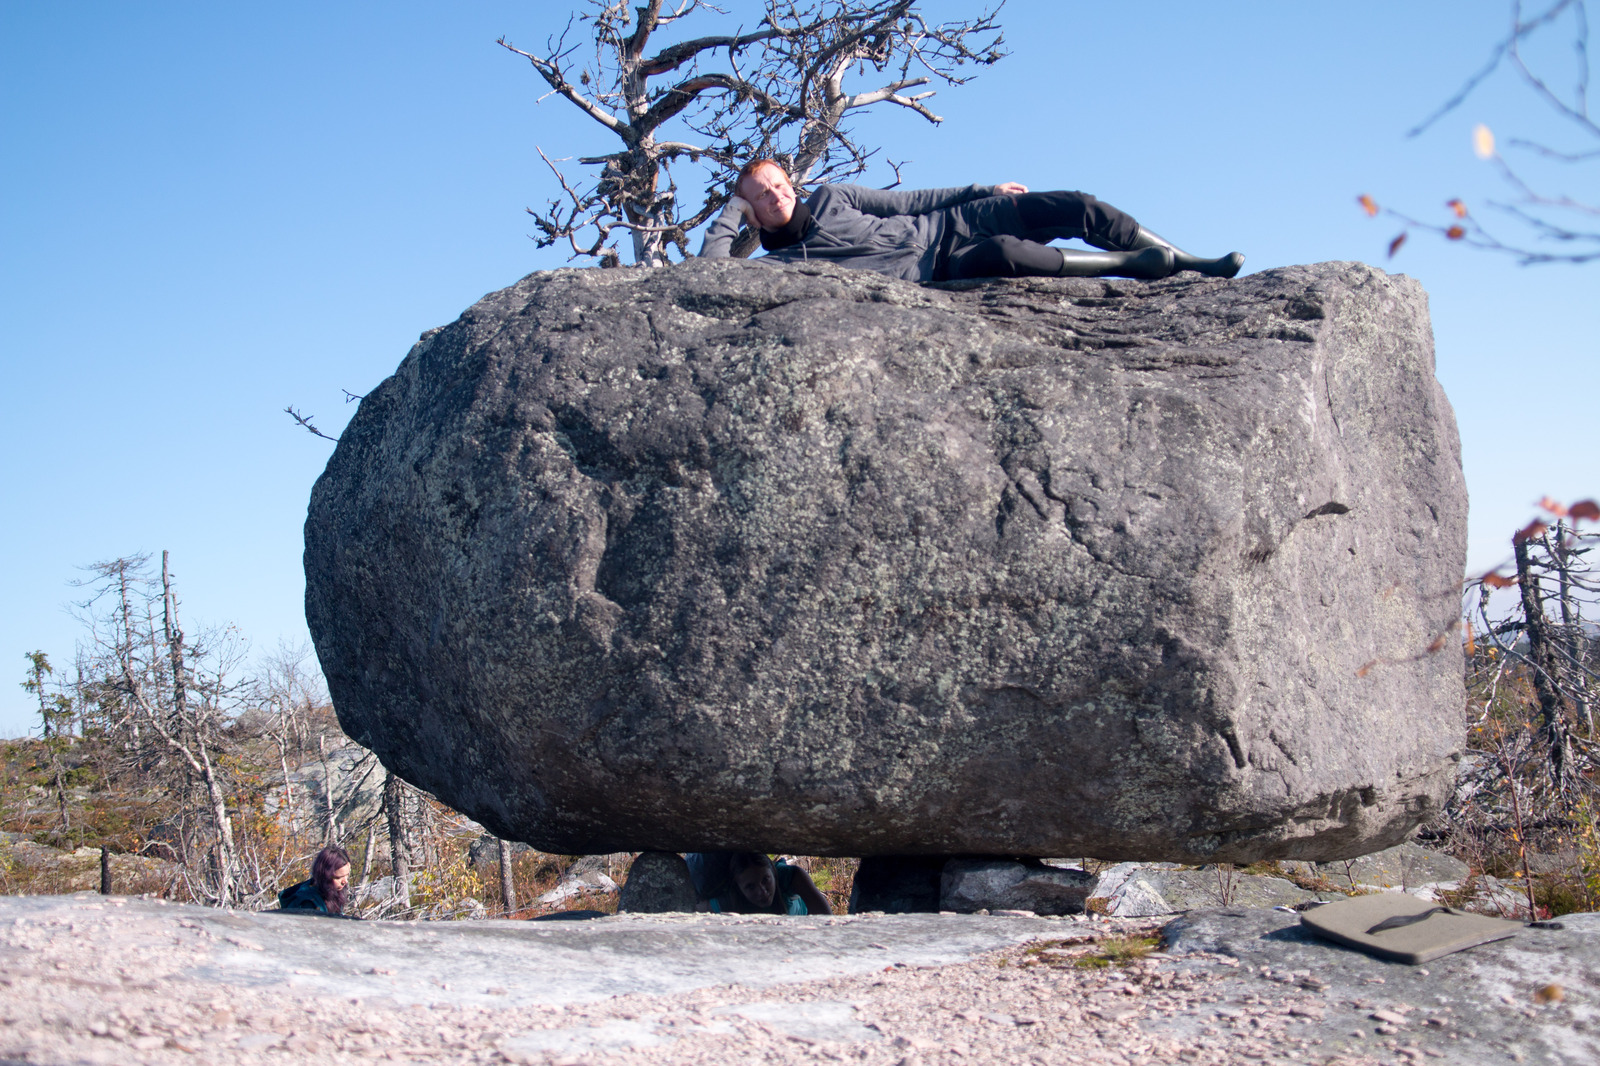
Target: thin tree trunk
{"x":226,"y":851}
{"x":366,"y":856}
{"x":105,"y":870}
{"x":1570,"y":620}
{"x":1543,"y":656}
{"x":327,"y":788}
{"x":288,"y":786}
{"x":508,"y":886}
{"x":399,"y":846}
{"x":226,"y":855}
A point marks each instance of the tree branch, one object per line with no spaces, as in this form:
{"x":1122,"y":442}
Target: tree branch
{"x":551,"y":73}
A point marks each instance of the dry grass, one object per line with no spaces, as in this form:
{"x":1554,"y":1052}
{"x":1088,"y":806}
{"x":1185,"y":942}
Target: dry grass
{"x":1091,"y":951}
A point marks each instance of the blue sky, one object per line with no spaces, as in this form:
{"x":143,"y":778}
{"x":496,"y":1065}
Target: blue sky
{"x":210,"y":211}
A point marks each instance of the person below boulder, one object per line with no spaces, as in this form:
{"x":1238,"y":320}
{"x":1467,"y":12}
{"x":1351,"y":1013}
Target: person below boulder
{"x":324,"y":892}
{"x":760,"y":886}
{"x":979,"y":231}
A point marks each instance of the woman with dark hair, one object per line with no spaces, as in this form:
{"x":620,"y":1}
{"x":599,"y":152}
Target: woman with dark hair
{"x":324,"y":891}
{"x":760,"y":886}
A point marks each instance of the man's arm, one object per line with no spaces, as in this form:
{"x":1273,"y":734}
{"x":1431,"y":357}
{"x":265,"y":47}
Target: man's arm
{"x":885,"y":203}
{"x":718,"y":242}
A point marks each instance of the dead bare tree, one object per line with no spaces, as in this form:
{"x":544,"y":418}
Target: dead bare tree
{"x":1552,"y":227}
{"x":1533,"y":766}
{"x":776,"y":90}
{"x":171,"y":715}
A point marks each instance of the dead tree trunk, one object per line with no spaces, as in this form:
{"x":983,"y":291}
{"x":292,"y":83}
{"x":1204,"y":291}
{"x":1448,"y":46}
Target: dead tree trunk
{"x":327,"y":788}
{"x":399,"y":844}
{"x":366,"y":854}
{"x":1543,"y":655}
{"x":186,"y":721}
{"x":508,"y":886}
{"x":1571,"y":627}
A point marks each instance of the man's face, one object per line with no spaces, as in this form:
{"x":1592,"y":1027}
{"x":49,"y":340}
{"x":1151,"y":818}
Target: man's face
{"x":757,"y":882}
{"x":770,"y":195}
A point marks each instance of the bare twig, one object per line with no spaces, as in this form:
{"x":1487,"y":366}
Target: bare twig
{"x":305,"y":422}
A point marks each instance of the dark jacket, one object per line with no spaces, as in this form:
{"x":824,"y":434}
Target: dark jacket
{"x":901,"y":234}
{"x":302,"y":897}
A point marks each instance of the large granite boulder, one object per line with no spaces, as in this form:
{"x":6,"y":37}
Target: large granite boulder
{"x":725,"y":555}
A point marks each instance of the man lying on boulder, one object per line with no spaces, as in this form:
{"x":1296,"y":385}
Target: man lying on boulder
{"x":980,"y":231}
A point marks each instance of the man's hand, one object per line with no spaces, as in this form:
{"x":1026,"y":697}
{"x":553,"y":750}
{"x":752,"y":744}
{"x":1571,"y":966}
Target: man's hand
{"x":742,"y":205}
{"x":1010,"y":188}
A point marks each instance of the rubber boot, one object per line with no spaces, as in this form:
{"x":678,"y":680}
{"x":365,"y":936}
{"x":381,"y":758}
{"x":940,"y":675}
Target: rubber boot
{"x":1148,"y":264}
{"x":1225,"y":267}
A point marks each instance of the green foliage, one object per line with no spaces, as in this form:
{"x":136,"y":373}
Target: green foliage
{"x":1118,"y":951}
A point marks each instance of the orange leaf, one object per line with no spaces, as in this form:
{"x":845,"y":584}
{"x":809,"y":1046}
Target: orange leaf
{"x":1472,"y":645}
{"x":1368,"y":204}
{"x":1547,"y":504}
{"x":1437,"y":645}
{"x":1495,"y":581}
{"x":1528,"y":532}
{"x":1455,"y":233}
{"x":1458,"y":207}
{"x":1394,"y":245}
{"x":1584,"y":509}
{"x":1366,"y":669}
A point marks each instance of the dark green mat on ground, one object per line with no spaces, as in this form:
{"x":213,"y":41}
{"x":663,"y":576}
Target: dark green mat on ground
{"x":1393,"y":925}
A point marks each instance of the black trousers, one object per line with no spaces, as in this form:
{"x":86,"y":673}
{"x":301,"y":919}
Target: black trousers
{"x":1010,"y":240}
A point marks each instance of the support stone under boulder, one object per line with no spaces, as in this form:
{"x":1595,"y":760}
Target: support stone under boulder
{"x":730,"y":556}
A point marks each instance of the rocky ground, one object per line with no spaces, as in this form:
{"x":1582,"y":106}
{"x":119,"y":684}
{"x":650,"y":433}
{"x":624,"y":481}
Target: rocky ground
{"x":90,"y":979}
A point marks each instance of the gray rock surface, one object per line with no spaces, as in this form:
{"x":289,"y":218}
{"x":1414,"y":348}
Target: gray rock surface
{"x":658,"y":883}
{"x":970,"y":885}
{"x":92,"y":979}
{"x":1407,"y":866}
{"x":489,"y":963}
{"x":1137,"y":890}
{"x":1481,"y":1005}
{"x":811,"y":560}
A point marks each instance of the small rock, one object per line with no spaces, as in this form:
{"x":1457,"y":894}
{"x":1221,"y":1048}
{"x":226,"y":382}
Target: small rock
{"x":1113,"y":1016}
{"x":1005,"y":887}
{"x":658,"y":883}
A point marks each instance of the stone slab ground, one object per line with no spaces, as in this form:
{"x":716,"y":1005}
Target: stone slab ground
{"x":91,"y":979}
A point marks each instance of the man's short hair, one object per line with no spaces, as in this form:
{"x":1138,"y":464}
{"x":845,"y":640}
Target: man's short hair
{"x":755,"y":165}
